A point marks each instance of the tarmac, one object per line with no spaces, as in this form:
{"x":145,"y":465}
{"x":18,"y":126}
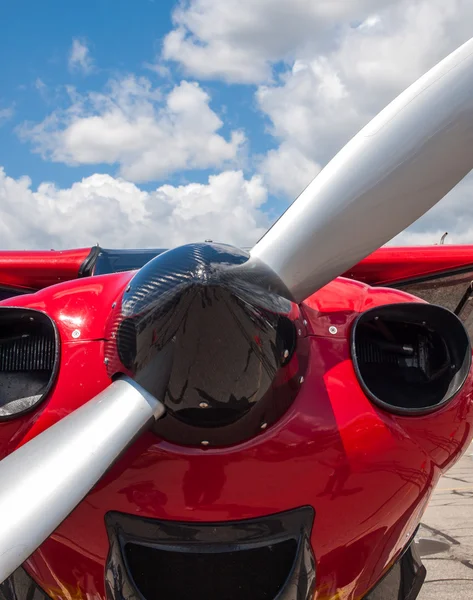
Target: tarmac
{"x":449,"y":519}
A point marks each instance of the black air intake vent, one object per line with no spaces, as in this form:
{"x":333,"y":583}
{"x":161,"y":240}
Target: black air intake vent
{"x":266,"y":558}
{"x":410,"y":358}
{"x":29,"y":353}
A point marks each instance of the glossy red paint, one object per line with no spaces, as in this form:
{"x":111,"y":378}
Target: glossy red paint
{"x":367,"y":473}
{"x":34,"y":270}
{"x":80,"y":310}
{"x":389,"y":265}
{"x":339,"y":303}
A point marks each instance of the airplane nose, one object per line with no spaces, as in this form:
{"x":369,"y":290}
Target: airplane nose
{"x":229,"y":339}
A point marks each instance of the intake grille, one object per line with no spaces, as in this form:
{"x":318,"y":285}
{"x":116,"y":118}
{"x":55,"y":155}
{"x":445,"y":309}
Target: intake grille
{"x":29,"y":358}
{"x":27,"y":353}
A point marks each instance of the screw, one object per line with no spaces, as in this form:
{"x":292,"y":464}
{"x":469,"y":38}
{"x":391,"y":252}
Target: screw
{"x":114,"y":304}
{"x":205,"y":443}
{"x":76,"y":334}
{"x":263,"y":425}
{"x":333,"y":330}
{"x":204,"y":405}
{"x":301,"y":379}
{"x":128,"y":288}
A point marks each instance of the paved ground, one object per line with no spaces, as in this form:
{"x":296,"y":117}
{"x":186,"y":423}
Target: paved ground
{"x":449,"y":519}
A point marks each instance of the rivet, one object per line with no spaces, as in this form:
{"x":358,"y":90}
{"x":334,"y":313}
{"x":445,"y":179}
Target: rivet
{"x":76,"y":334}
{"x":114,"y":304}
{"x":128,"y":288}
{"x":376,"y":318}
{"x":299,"y":331}
{"x":263,"y":425}
{"x":205,"y":443}
{"x":301,"y":379}
{"x":333,"y":330}
{"x":305,"y":323}
{"x":31,"y":318}
{"x":204,"y":405}
{"x":106,"y":361}
{"x":286,"y":353}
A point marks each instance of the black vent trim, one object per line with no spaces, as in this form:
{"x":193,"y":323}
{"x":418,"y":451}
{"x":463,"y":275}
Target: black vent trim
{"x":268,"y":557}
{"x":29,"y":359}
{"x":404,"y":579}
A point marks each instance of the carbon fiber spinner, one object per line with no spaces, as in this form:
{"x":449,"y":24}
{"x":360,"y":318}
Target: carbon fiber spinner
{"x":214,"y":339}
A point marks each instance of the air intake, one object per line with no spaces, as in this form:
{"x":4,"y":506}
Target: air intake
{"x":28,"y":359}
{"x":410,"y":358}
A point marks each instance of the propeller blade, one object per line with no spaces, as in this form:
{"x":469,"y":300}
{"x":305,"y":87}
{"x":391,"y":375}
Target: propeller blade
{"x":44,"y":480}
{"x":393,"y":171}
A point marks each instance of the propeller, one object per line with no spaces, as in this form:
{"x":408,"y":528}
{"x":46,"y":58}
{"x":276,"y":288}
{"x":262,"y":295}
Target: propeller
{"x":44,"y":480}
{"x":397,"y":168}
{"x":392,"y":172}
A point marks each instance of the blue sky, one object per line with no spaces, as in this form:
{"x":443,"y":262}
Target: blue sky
{"x":173,"y":121}
{"x":123,"y":36}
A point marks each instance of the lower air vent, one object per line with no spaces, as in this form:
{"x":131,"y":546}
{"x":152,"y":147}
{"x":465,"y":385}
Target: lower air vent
{"x":410,"y":358}
{"x":266,"y":558}
{"x":250,"y":574}
{"x":28,"y":359}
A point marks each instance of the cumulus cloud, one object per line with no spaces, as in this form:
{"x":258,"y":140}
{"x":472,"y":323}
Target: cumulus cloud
{"x":79,"y":57}
{"x":116,"y":213}
{"x":321,"y":71}
{"x":286,"y":170}
{"x":453,"y":214}
{"x":133,"y":125}
{"x":328,"y":94}
{"x":239,"y":40}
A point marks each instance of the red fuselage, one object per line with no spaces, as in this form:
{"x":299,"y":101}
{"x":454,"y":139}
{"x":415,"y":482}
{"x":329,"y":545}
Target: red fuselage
{"x":367,"y":474}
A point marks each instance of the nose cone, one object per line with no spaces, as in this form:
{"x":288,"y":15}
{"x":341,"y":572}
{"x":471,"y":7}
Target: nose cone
{"x":211,"y":340}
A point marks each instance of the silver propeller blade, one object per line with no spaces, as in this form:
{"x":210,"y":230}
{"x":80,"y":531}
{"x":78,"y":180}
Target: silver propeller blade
{"x":44,"y":480}
{"x":392,"y":172}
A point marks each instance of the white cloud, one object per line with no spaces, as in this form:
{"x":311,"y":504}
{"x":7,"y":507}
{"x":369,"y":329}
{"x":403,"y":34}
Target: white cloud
{"x":453,"y":214}
{"x":116,"y":213}
{"x":6,"y":114}
{"x":133,"y":125}
{"x":239,"y":40}
{"x":330,"y":93}
{"x":79,"y":57}
{"x":322,"y":70}
{"x":287,"y":171}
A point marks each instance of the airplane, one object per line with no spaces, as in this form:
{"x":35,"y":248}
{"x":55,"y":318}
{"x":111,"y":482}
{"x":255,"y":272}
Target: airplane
{"x":210,"y":422}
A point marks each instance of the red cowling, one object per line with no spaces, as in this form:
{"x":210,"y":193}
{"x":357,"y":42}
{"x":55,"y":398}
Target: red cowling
{"x":368,"y":474}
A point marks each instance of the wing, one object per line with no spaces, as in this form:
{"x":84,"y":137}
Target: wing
{"x":441,"y":275}
{"x":29,"y":271}
{"x":24,"y":272}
